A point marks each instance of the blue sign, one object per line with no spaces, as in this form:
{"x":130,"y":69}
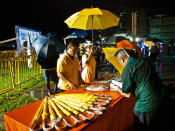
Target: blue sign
{"x":23,"y":35}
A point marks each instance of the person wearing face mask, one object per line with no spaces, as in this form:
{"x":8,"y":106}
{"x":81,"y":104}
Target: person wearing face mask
{"x":88,"y":62}
{"x":140,"y":79}
{"x":68,"y":67}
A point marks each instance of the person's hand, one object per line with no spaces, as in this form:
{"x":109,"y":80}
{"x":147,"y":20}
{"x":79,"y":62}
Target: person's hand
{"x":91,"y":50}
{"x":72,"y":86}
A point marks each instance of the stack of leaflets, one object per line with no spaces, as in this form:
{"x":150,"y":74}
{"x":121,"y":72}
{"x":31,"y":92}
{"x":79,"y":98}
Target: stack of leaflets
{"x":115,"y":84}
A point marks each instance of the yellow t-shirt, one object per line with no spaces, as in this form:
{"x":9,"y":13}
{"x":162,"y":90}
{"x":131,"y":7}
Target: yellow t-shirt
{"x":69,"y":68}
{"x":88,"y":73}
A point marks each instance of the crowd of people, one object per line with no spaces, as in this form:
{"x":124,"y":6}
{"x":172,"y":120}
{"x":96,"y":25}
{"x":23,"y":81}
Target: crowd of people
{"x":139,"y":78}
{"x":64,"y":69}
{"x":153,"y":52}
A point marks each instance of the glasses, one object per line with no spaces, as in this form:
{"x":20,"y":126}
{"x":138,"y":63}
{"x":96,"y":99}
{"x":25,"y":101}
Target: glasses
{"x":74,"y":48}
{"x":89,"y":47}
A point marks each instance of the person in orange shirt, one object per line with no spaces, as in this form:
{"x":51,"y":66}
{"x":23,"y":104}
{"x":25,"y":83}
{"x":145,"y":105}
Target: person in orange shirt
{"x":88,"y":62}
{"x":68,"y":67}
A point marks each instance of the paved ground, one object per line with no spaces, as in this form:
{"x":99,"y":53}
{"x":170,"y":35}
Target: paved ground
{"x":165,"y":69}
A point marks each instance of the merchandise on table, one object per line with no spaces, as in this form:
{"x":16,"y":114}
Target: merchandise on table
{"x":116,"y":78}
{"x":67,"y":110}
{"x":117,"y":83}
{"x":97,"y":88}
{"x":114,"y":85}
{"x":102,"y":82}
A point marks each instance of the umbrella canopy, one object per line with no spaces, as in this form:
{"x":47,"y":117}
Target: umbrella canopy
{"x":109,"y":54}
{"x":92,"y":19}
{"x":148,"y":43}
{"x":78,"y":33}
{"x":105,"y":44}
{"x":149,"y":40}
{"x":143,"y":48}
{"x":114,"y":39}
{"x":48,"y":47}
{"x":126,"y":44}
{"x":153,"y":39}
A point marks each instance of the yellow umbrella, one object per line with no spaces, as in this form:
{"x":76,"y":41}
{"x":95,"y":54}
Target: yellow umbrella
{"x":109,"y":54}
{"x":92,"y":19}
{"x":148,"y":43}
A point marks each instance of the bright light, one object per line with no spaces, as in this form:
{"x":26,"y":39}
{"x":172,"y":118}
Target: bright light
{"x":131,"y":39}
{"x":137,"y":39}
{"x":160,"y":43}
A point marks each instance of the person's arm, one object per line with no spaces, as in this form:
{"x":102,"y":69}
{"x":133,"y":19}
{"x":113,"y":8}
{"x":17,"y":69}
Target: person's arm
{"x":127,"y":82}
{"x":88,"y":58}
{"x":85,"y":60}
{"x":61,"y":76}
{"x":90,"y":55}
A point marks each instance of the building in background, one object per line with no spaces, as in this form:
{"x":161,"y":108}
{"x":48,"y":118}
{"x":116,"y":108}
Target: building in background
{"x":163,"y":28}
{"x":133,"y":22}
{"x":144,"y":23}
{"x":136,"y":24}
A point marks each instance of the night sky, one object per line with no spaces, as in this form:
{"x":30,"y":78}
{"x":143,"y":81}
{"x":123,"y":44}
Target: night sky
{"x":48,"y":16}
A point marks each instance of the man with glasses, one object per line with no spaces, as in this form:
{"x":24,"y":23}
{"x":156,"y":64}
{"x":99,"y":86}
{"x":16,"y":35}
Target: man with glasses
{"x":68,"y":67}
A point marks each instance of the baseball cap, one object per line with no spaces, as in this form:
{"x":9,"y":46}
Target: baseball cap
{"x":87,"y":43}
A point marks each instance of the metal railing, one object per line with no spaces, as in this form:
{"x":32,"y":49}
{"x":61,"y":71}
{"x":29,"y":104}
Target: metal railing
{"x":15,"y":71}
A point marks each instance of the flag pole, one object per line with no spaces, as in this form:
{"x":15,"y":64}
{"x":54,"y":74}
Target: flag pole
{"x":4,"y":41}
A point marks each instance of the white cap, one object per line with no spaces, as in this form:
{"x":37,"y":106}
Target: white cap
{"x":88,"y":43}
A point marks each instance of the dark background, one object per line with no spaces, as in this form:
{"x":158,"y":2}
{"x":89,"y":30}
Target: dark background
{"x":48,"y":16}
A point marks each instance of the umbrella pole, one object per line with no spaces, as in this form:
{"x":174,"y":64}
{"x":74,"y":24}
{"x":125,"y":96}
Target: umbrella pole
{"x":92,"y":36}
{"x":92,"y":29}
